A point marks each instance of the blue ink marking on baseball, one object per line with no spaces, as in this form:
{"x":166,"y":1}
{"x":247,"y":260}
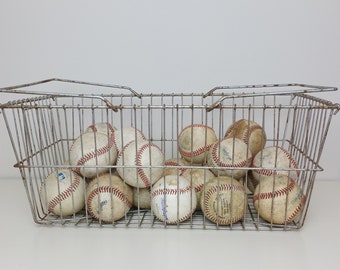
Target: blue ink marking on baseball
{"x":226,"y":153}
{"x":164,"y":211}
{"x":61,"y":176}
{"x":101,"y":205}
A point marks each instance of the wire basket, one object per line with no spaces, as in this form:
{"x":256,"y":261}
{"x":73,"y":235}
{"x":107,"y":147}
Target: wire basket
{"x":44,"y":125}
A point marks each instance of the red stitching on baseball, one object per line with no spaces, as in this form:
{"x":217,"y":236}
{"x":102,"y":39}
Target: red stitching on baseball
{"x":65,"y":194}
{"x":297,"y":209}
{"x":198,"y":151}
{"x":275,"y":193}
{"x":219,"y":188}
{"x":141,"y":171}
{"x":247,"y":132}
{"x":106,"y":189}
{"x":169,"y":191}
{"x":219,"y":163}
{"x":172,"y":163}
{"x":100,"y":151}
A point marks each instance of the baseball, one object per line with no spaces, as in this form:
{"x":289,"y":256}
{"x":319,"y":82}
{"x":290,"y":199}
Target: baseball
{"x":271,"y":160}
{"x":63,"y":192}
{"x":173,"y":166}
{"x":102,"y":127}
{"x":93,"y":153}
{"x":278,"y":199}
{"x":125,"y":135}
{"x":250,"y":132}
{"x":173,"y":200}
{"x":224,"y":200}
{"x":141,"y":198}
{"x":194,"y":141}
{"x":232,"y":154}
{"x":197,"y":178}
{"x":108,"y":198}
{"x":140,"y":164}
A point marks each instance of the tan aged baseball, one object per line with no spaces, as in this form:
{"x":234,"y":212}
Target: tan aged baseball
{"x":127,"y":134}
{"x":141,"y":198}
{"x":232,"y":154}
{"x":177,"y":163}
{"x":278,"y":199}
{"x":224,"y":200}
{"x":274,"y":160}
{"x":194,"y":142}
{"x":103,"y":127}
{"x":108,"y":198}
{"x":197,"y":178}
{"x":250,"y":132}
{"x":173,"y":199}
{"x":63,"y":192}
{"x":140,"y":164}
{"x":93,"y":153}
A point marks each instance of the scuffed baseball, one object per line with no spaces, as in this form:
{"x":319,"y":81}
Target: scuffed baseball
{"x":103,"y":127}
{"x":233,"y":155}
{"x":63,"y":192}
{"x":278,"y":199}
{"x":194,"y":142}
{"x":224,"y":200}
{"x":198,"y":177}
{"x":127,"y":134}
{"x":173,"y":199}
{"x":141,"y":198}
{"x":250,"y":132}
{"x":108,"y":198}
{"x":140,"y":163}
{"x":93,"y":153}
{"x":175,"y":162}
{"x":274,"y":160}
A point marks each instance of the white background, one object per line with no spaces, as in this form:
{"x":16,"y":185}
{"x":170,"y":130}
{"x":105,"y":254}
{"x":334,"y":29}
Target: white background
{"x":173,"y":46}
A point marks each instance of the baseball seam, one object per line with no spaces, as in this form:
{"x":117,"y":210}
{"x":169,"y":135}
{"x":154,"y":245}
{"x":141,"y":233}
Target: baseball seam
{"x":198,"y":151}
{"x":100,"y":151}
{"x":215,"y":189}
{"x":106,"y":189}
{"x":65,"y":194}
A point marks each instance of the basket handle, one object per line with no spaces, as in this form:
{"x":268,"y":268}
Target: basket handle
{"x":15,"y":89}
{"x":304,"y":88}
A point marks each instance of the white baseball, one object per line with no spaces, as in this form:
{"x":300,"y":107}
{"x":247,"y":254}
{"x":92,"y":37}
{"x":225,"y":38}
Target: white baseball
{"x":108,"y":198}
{"x":173,"y":199}
{"x":224,"y":200}
{"x":140,"y":164}
{"x":141,"y":198}
{"x":103,"y":127}
{"x":125,"y":135}
{"x":173,"y":166}
{"x":232,"y":154}
{"x":274,"y":160}
{"x":198,"y":177}
{"x":93,"y":152}
{"x":250,"y":132}
{"x":278,"y":199}
{"x":63,"y":192}
{"x":194,"y":142}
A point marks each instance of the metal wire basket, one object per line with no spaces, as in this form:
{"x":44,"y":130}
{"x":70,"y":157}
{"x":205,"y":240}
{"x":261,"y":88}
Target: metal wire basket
{"x":44,"y":124}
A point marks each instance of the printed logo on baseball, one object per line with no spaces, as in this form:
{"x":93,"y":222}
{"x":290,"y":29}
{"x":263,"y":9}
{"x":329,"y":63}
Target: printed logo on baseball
{"x":224,"y":200}
{"x":278,"y":199}
{"x":233,"y":155}
{"x":250,"y":132}
{"x":140,"y":164}
{"x":63,"y":192}
{"x":194,"y":142}
{"x":108,"y":198}
{"x":173,"y":200}
{"x":271,"y":160}
{"x":93,"y":152}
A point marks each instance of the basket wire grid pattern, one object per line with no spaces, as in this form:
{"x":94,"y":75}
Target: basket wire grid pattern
{"x":43,"y":126}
